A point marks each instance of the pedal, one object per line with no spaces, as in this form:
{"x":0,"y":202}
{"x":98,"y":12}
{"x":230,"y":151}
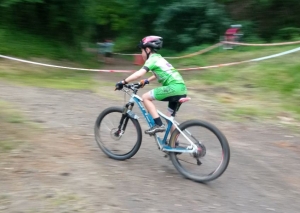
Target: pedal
{"x":150,"y":134}
{"x":167,"y":155}
{"x":198,"y":162}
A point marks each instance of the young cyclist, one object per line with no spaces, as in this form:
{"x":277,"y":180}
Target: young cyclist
{"x":173,"y":87}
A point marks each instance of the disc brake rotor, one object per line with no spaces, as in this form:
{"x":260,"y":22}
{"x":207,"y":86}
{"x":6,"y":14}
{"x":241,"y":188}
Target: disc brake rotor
{"x":201,"y":151}
{"x":116,"y":134}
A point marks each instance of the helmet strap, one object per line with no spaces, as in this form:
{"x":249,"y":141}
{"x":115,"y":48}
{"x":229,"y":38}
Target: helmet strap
{"x":147,"y":53}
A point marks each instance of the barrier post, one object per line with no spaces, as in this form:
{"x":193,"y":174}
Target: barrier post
{"x":138,"y":59}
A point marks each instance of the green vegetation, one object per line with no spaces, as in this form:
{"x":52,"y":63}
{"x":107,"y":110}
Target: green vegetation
{"x":186,"y":23}
{"x":12,"y":125}
{"x":19,"y":43}
{"x":9,"y":115}
{"x":58,"y":79}
{"x":261,"y":89}
{"x":8,"y":145}
{"x":220,"y":56}
{"x":39,"y":49}
{"x":64,"y":199}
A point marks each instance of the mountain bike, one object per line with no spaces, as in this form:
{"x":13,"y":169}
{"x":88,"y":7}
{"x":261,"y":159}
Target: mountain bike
{"x":193,"y":143}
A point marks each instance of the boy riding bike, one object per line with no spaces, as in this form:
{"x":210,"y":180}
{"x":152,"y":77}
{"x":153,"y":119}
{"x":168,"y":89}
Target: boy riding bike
{"x":173,"y":87}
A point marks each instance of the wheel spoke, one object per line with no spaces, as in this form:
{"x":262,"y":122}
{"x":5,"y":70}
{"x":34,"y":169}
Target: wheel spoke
{"x":208,"y":162}
{"x":117,"y":146}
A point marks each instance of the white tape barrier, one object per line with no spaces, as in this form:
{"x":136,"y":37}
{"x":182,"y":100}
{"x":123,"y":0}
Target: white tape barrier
{"x":270,"y":44}
{"x":241,"y":62}
{"x":62,"y":67}
{"x":219,"y":44}
{"x":182,"y":69}
{"x":184,"y":56}
{"x":196,"y":53}
{"x":276,"y":55}
{"x":126,"y":54}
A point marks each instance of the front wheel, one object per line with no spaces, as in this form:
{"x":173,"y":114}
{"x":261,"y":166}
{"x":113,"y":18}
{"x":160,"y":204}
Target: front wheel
{"x":212,"y":156}
{"x":117,"y":143}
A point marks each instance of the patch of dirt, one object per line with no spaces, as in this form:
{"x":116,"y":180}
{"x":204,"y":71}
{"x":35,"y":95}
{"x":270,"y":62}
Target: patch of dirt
{"x":289,"y":145}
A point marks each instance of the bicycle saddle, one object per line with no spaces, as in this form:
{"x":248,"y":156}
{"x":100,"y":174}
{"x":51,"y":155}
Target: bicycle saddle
{"x":182,"y":100}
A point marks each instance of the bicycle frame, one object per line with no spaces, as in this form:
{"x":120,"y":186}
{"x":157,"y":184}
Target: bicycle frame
{"x":162,"y":143}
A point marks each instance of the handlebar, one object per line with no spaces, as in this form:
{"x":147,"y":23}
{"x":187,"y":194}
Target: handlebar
{"x":133,"y":87}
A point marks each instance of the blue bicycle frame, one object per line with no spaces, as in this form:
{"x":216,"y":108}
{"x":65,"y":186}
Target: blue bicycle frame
{"x":162,"y":143}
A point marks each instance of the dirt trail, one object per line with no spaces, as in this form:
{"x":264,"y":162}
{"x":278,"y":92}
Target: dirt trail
{"x":62,"y":170}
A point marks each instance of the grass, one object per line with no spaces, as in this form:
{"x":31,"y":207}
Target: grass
{"x":64,"y":199}
{"x":9,"y":115}
{"x":8,"y":145}
{"x":18,"y":43}
{"x":56,"y":79}
{"x":47,"y":77}
{"x":4,"y":199}
{"x":219,"y":56}
{"x":14,"y":128}
{"x":23,"y":45}
{"x":262,"y":89}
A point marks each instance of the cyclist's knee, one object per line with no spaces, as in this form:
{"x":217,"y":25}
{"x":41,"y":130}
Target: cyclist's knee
{"x":147,"y":96}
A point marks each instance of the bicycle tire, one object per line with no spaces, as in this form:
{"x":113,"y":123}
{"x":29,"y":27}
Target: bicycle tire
{"x":225,"y":149}
{"x":110,"y":154}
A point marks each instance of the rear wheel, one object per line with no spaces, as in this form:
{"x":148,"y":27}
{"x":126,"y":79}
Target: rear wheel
{"x":119,"y":145}
{"x":212,"y":156}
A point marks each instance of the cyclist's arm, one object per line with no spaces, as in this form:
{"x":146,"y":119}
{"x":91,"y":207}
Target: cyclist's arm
{"x":136,"y":75}
{"x":153,"y":77}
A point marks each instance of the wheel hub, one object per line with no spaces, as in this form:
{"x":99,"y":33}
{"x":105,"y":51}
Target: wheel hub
{"x":116,"y":134}
{"x":201,"y":151}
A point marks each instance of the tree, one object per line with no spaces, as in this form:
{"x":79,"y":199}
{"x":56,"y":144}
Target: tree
{"x":59,"y":19}
{"x":191,"y":22}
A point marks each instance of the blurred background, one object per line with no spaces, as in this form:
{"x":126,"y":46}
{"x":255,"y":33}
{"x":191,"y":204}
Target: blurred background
{"x":47,"y":114}
{"x":183,"y":24}
{"x":75,"y":34}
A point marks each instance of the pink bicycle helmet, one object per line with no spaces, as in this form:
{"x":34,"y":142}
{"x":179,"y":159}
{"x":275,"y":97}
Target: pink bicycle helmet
{"x":153,"y":42}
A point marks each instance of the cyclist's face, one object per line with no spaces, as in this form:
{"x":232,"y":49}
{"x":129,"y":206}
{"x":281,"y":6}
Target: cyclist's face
{"x":144,"y":53}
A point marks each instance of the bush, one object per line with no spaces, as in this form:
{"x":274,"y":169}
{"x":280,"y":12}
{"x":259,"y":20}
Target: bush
{"x":289,"y":33}
{"x":192,"y":22}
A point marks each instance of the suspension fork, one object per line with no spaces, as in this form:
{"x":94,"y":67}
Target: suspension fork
{"x":125,"y":117}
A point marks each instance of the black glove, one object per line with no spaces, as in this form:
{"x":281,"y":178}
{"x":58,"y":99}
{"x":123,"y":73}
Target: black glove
{"x":119,"y":85}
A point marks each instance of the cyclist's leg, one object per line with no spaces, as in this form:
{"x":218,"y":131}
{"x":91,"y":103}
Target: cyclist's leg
{"x":173,"y":107}
{"x":149,"y":105}
{"x":176,"y":92}
{"x":160,"y":94}
{"x":171,"y":92}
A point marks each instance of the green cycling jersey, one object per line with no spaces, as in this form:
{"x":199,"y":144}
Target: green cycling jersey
{"x":165,"y":73}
